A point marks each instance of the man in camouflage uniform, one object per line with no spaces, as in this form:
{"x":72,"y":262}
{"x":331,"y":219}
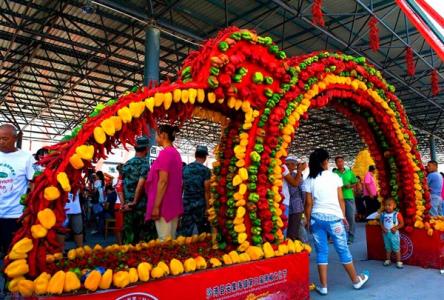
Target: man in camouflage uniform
{"x":196,"y":193}
{"x":135,"y":172}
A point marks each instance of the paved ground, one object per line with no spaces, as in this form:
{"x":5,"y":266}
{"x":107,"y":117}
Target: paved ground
{"x":410,"y":283}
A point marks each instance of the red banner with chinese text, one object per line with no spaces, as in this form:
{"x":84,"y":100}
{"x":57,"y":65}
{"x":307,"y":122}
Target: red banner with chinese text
{"x":285,"y":277}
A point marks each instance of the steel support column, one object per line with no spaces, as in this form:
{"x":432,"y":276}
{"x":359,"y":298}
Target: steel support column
{"x":432,"y":148}
{"x":151,"y":67}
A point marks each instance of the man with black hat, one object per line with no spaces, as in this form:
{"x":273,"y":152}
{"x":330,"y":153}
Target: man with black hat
{"x":196,"y":193}
{"x":135,"y":172}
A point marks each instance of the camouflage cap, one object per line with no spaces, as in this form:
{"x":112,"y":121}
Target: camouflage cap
{"x":202,"y":149}
{"x":142,"y":141}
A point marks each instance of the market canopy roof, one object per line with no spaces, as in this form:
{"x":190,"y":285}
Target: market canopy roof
{"x":60,"y":58}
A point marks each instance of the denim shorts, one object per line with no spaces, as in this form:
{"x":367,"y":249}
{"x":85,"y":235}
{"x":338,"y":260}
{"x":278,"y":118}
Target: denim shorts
{"x":337,"y":232}
{"x":391,"y":241}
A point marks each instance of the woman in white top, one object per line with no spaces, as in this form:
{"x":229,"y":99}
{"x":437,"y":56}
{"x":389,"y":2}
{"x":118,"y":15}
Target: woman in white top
{"x":324,"y":211}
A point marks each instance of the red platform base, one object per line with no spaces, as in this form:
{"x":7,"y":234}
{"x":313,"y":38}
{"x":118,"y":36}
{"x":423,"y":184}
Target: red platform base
{"x":280,"y":278}
{"x":417,"y":248}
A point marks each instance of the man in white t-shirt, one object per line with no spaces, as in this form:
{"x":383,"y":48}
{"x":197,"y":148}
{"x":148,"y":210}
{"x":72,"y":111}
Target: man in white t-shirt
{"x":16,"y":172}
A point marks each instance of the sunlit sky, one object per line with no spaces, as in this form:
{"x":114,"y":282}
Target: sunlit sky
{"x":438,"y":5}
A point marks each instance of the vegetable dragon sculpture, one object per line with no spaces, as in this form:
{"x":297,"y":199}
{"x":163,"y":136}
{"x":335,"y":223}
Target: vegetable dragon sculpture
{"x":246,"y":83}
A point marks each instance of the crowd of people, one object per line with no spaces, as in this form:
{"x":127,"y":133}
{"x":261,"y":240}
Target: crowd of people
{"x":171,"y":198}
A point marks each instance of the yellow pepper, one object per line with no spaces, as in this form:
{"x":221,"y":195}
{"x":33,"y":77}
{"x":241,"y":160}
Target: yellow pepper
{"x":244,"y":257}
{"x":143,"y":270}
{"x":190,"y":265}
{"x":13,"y":284}
{"x":23,"y":246}
{"x":158,"y":99}
{"x":125,"y":114}
{"x":237,"y":180}
{"x":167,"y":101}
{"x":192,"y":93}
{"x":227,"y":259}
{"x":38,"y":231}
{"x":72,"y":254}
{"x":164,"y":266}
{"x":149,"y":102}
{"x":200,"y":95}
{"x":99,"y":135}
{"x":76,"y":161}
{"x":93,"y":280}
{"x":121,"y":279}
{"x":157,"y":272}
{"x":56,"y":283}
{"x":41,"y":283}
{"x":176,"y":267}
{"x":177,"y":95}
{"x":63,"y":180}
{"x":255,"y":252}
{"x":215,"y":262}
{"x":133,"y":276}
{"x":243,"y":173}
{"x":234,"y":257}
{"x":47,"y":218}
{"x":14,"y":255}
{"x":117,"y":122}
{"x":26,"y":288}
{"x":72,"y":282}
{"x":211,"y":97}
{"x":137,"y":109}
{"x":242,"y":237}
{"x":106,"y":280}
{"x":185,"y":96}
{"x":108,"y":126}
{"x":51,"y":193}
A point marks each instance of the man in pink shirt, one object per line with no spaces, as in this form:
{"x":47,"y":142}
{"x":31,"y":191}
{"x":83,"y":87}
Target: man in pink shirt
{"x":370,"y":191}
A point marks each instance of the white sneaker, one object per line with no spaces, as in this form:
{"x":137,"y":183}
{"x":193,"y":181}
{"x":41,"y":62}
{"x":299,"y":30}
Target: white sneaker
{"x":399,"y":265}
{"x":322,"y":290}
{"x":363,"y":278}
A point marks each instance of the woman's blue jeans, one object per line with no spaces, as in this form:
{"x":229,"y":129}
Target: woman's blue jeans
{"x":336,"y":230}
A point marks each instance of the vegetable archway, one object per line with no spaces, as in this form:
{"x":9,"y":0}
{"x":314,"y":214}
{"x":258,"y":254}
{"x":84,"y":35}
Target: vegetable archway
{"x":245,"y":82}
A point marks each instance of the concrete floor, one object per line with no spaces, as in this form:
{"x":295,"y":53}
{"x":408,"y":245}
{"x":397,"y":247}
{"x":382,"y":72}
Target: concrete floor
{"x":410,"y":283}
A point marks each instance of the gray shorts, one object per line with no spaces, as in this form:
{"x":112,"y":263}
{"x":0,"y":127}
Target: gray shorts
{"x":75,"y":223}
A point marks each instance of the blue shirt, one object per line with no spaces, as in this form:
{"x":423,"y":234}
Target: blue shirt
{"x":435,"y":183}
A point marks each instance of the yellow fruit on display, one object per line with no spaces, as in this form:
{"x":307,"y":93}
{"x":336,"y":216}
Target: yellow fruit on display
{"x":38,"y":231}
{"x":13,"y":284}
{"x":268,"y":250}
{"x":201,"y":263}
{"x":157,"y":272}
{"x":164,"y":266}
{"x":47,"y":218}
{"x":41,"y":283}
{"x":190,"y":265}
{"x":215,"y":262}
{"x":121,"y":279}
{"x":106,"y":279}
{"x":176,"y":267}
{"x":63,"y":180}
{"x":26,"y":287}
{"x":72,"y":282}
{"x":93,"y":280}
{"x":56,"y":283}
{"x":143,"y":270}
{"x":133,"y":276}
{"x":99,"y":135}
{"x":51,"y":193}
{"x":76,"y":161}
{"x":23,"y":246}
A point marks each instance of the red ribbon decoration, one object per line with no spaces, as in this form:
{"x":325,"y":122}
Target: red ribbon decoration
{"x":435,"y":82}
{"x":374,"y":34}
{"x":409,"y":61}
{"x":316,"y":11}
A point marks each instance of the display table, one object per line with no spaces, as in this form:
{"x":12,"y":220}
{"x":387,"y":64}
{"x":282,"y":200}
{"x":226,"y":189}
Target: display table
{"x":283,"y":277}
{"x":417,"y":248}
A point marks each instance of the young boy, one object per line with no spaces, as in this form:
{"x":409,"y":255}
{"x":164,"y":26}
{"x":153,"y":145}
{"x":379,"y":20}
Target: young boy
{"x":391,"y":221}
